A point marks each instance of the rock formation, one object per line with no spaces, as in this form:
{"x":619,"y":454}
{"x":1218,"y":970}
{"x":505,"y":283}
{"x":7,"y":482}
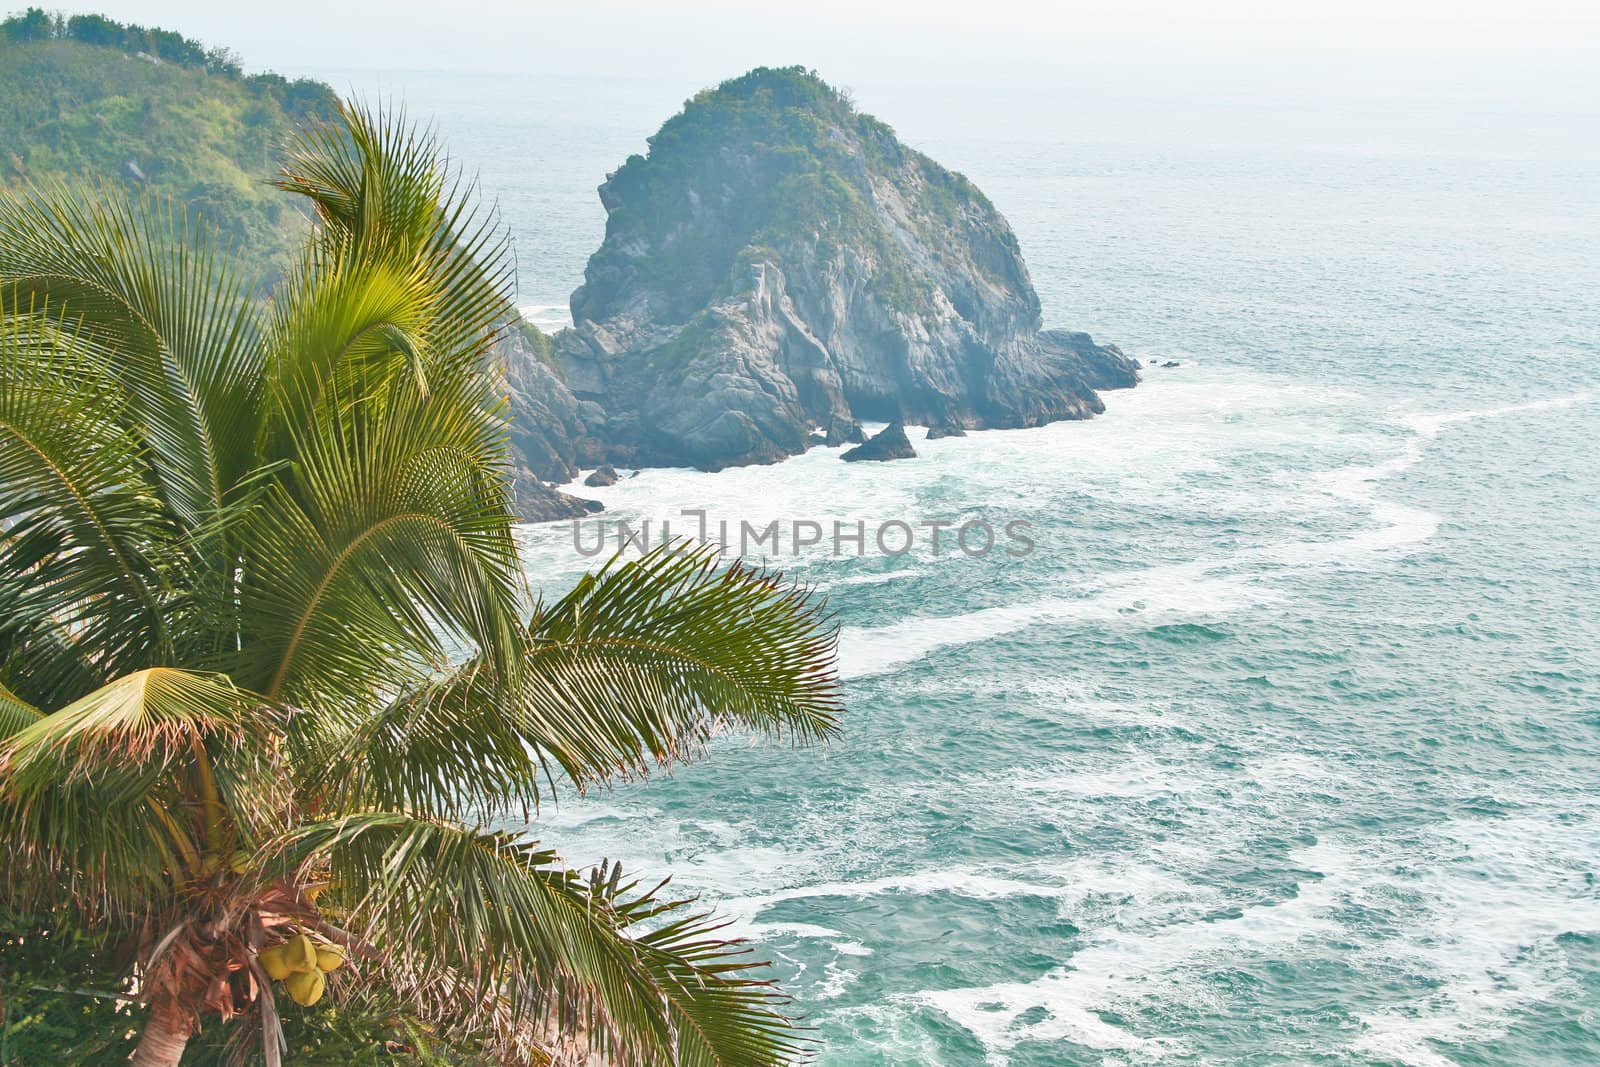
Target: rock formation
{"x":890,"y":442}
{"x":780,"y":262}
{"x":552,"y":432}
{"x":603,"y":475}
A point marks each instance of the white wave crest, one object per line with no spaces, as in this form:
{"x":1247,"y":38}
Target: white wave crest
{"x":1201,"y":588}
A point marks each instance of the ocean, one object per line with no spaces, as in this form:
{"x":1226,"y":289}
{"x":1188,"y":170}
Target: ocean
{"x":1282,"y":745}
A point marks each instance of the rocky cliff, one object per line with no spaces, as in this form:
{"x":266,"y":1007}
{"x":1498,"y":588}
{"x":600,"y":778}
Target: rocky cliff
{"x":778,"y":268}
{"x":553,"y":434}
{"x":779,"y":263}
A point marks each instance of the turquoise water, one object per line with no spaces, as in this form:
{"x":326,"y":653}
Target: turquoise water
{"x":1284,"y":745}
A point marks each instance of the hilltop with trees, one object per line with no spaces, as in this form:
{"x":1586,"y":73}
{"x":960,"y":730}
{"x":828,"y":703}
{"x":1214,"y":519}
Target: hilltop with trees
{"x":88,"y":98}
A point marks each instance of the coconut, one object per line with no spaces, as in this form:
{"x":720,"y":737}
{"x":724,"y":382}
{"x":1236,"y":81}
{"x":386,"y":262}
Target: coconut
{"x":306,"y":987}
{"x":300,"y":952}
{"x":329,"y":958}
{"x":275,"y":962}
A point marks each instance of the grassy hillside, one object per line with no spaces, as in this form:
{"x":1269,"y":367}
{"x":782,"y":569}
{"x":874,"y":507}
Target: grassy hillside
{"x":88,"y":98}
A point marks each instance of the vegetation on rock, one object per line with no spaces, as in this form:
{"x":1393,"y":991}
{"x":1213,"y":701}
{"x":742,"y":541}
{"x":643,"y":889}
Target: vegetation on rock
{"x":780,"y":262}
{"x":776,"y":127}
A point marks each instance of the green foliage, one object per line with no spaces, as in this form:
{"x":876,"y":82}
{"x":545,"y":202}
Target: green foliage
{"x":269,"y":666}
{"x":59,"y":985}
{"x":538,"y":343}
{"x":35,"y":24}
{"x":90,"y":98}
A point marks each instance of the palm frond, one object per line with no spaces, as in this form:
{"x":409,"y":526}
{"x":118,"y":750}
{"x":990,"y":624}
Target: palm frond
{"x":146,"y":283}
{"x":88,"y":547}
{"x":489,"y":931}
{"x":721,"y":1015}
{"x":343,"y":329}
{"x":15,"y":713}
{"x":390,"y":535}
{"x":381,"y":188}
{"x":486,"y":930}
{"x":374,"y":179}
{"x":639,"y":665}
{"x":103,"y":794}
{"x":645,"y":660}
{"x":451,"y":746}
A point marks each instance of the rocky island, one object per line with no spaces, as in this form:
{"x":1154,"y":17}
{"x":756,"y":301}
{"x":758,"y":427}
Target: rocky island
{"x":777,"y":269}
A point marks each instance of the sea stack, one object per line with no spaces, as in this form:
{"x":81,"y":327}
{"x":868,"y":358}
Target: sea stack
{"x":780,"y":261}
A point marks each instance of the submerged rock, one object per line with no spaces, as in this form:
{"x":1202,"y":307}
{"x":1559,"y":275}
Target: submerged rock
{"x":890,"y":442}
{"x":603,"y":475}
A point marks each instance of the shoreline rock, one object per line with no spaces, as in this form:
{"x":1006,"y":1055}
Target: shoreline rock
{"x":844,"y":432}
{"x":534,"y":501}
{"x":602,"y":476}
{"x":553,"y":434}
{"x":888,"y":443}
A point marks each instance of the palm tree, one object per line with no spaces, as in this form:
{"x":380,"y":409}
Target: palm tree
{"x":268,"y":666}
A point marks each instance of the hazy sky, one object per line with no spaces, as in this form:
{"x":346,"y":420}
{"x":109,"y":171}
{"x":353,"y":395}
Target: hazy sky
{"x":1431,"y":48}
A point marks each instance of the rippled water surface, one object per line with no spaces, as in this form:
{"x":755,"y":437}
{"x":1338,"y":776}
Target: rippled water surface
{"x":1283,"y":745}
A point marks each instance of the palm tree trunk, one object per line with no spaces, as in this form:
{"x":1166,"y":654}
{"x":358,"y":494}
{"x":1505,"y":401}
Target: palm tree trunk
{"x":165,"y":1035}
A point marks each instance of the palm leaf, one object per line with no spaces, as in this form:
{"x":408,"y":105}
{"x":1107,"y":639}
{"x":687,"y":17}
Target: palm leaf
{"x":391,"y":534}
{"x":15,"y":713}
{"x":383,"y":188}
{"x":145,"y":282}
{"x":451,"y":746}
{"x":720,"y":1014}
{"x":638,"y":665}
{"x":343,"y":329}
{"x":88,"y":546}
{"x":485,"y":930}
{"x":98,"y":792}
{"x":390,"y":540}
{"x":488,"y":930}
{"x":646,"y":660}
